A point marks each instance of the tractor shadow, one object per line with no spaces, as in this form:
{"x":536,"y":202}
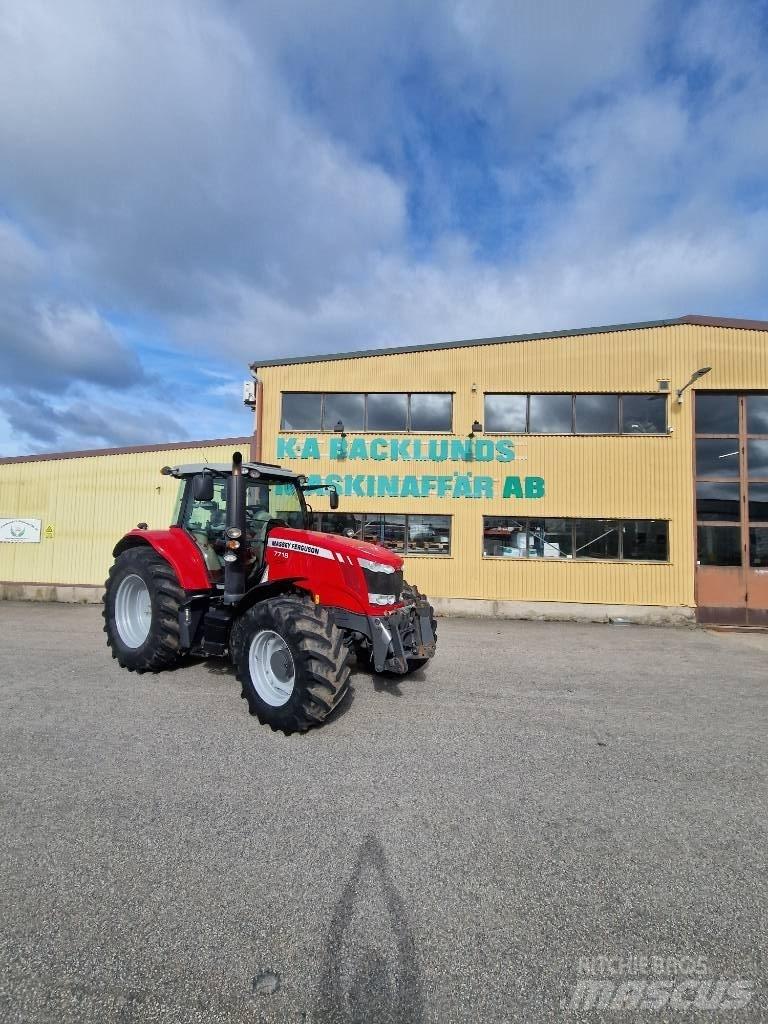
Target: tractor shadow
{"x":393,"y":685}
{"x":370,"y":970}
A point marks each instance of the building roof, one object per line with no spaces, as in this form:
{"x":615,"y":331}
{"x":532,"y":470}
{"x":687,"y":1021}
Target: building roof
{"x":139,"y":449}
{"x":689,"y":318}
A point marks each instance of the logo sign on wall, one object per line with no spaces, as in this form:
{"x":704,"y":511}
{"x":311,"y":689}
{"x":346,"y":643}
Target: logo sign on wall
{"x":20,"y":531}
{"x":360,"y":460}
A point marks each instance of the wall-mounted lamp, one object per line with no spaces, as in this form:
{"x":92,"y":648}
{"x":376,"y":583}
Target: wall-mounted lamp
{"x":701,"y":372}
{"x":339,"y":428}
{"x":477,"y":428}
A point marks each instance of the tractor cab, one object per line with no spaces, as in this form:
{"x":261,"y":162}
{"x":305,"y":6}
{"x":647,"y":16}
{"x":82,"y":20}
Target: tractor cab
{"x":271,"y":497}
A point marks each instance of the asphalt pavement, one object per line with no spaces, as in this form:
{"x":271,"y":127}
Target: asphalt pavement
{"x":545,"y":814}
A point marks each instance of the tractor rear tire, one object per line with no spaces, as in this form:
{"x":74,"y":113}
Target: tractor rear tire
{"x":412,"y":593}
{"x":141,"y":611}
{"x":292,"y":662}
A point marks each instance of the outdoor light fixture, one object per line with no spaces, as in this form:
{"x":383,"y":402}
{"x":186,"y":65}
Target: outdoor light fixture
{"x":477,"y":428}
{"x":339,"y":428}
{"x":701,"y":372}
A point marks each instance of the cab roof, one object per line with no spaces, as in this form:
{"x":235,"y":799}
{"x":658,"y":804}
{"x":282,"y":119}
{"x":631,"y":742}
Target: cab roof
{"x":258,"y":469}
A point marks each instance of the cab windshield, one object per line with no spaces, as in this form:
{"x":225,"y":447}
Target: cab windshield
{"x":265,"y":499}
{"x":272,"y":499}
{"x":267,"y":503}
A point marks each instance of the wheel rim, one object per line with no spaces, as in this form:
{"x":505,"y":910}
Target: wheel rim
{"x":271,"y":666}
{"x":133,"y":611}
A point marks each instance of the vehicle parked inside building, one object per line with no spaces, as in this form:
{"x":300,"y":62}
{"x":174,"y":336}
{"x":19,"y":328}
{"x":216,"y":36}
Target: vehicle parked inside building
{"x":240,"y":574}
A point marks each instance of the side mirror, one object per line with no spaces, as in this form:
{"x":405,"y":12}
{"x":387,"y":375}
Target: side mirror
{"x":202,"y":487}
{"x":333,"y":497}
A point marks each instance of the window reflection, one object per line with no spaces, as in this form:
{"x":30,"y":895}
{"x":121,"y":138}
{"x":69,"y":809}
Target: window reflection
{"x":718,"y":501}
{"x":717,"y":458}
{"x":758,"y":502}
{"x":644,"y":414}
{"x":645,"y":540}
{"x":597,"y":414}
{"x":550,"y":414}
{"x":716,"y":414}
{"x":757,"y":458}
{"x":431,"y":413}
{"x":506,"y":413}
{"x":301,"y":411}
{"x":719,"y":545}
{"x":757,"y":414}
{"x":348,"y":408}
{"x":597,"y":538}
{"x":387,"y":412}
{"x":758,"y":547}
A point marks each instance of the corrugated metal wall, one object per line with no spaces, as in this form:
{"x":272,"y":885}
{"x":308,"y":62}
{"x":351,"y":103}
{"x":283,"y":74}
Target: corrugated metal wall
{"x":606,"y":476}
{"x":90,"y":502}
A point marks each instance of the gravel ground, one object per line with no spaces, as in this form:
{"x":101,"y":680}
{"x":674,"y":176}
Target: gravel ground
{"x":458,"y":847}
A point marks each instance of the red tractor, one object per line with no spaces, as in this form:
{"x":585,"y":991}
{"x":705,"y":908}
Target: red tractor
{"x":240,"y":573}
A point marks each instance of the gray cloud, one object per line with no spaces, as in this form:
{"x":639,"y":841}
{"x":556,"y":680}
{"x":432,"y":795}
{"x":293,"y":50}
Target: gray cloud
{"x":81,"y":424}
{"x":48,"y":342}
{"x":240,"y":178}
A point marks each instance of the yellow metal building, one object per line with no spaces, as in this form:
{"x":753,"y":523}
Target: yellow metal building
{"x":549,"y":475}
{"x":596,"y":507}
{"x":75,"y":506}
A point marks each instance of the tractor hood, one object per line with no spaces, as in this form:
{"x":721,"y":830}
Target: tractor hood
{"x":355,"y":548}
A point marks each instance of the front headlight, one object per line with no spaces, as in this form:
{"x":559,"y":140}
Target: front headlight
{"x":382,"y":599}
{"x":371,"y":566}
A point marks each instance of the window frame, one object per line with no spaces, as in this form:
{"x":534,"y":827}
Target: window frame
{"x":322,"y":429}
{"x":618,"y":395}
{"x":572,"y":521}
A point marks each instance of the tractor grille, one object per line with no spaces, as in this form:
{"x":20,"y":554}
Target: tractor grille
{"x":384,"y":582}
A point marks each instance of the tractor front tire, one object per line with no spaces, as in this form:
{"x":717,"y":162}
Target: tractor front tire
{"x":142,"y":598}
{"x":292,"y":662}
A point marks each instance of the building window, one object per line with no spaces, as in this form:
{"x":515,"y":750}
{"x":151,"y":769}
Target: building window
{"x":506,"y":414}
{"x":576,"y":414}
{"x":550,"y":414}
{"x":404,"y":534}
{"x":302,"y":411}
{"x":596,"y":538}
{"x":377,"y":412}
{"x":349,"y":409}
{"x":634,"y":540}
{"x":387,"y":412}
{"x":431,"y":413}
{"x":643,"y":414}
{"x":596,"y":414}
{"x":717,"y":413}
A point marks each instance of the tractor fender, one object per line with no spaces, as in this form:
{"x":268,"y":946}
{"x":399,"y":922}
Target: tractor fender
{"x":263,"y":591}
{"x":178,"y":549}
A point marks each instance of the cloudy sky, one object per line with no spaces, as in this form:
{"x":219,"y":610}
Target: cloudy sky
{"x":188,"y":186}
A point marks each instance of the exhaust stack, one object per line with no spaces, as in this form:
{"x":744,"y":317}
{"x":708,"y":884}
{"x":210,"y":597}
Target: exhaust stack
{"x":234,"y":559}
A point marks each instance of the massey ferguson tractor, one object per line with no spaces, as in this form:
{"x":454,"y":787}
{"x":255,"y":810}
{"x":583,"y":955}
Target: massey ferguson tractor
{"x":239,"y":573}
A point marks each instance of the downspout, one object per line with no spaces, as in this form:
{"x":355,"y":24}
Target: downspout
{"x":258,"y":420}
